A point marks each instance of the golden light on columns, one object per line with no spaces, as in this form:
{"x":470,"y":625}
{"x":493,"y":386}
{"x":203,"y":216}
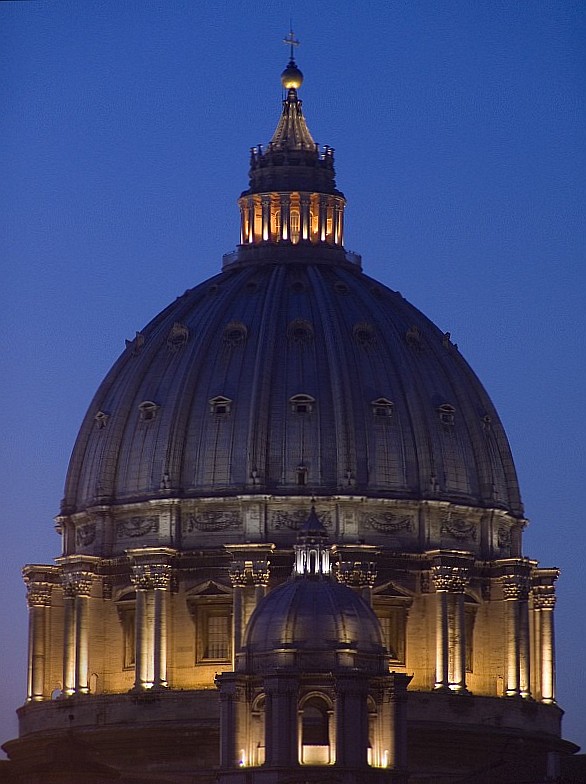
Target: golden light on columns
{"x":450,"y":577}
{"x":39,"y":589}
{"x":151,"y":577}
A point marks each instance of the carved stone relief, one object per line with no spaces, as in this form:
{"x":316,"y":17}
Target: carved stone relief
{"x":211,"y":520}
{"x":293,"y":521}
{"x":503,"y":537}
{"x":137,"y":526}
{"x":387,"y":522}
{"x":85,"y":534}
{"x":458,"y":527}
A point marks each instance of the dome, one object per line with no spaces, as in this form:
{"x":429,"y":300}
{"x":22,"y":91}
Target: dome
{"x":297,"y":375}
{"x":310,"y":617}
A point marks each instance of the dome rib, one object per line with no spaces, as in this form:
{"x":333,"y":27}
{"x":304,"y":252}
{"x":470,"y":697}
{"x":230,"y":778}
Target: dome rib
{"x":197,"y":454}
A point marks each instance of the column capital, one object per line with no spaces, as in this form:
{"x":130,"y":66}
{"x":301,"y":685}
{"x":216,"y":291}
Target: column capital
{"x":515,"y":586}
{"x":544,"y":597}
{"x":449,"y":579}
{"x":39,"y":581}
{"x":151,"y":567}
{"x":151,"y":576}
{"x":77,"y":583}
{"x":38,"y":594}
{"x":238,"y":576}
{"x":355,"y":565}
{"x":250,"y":563}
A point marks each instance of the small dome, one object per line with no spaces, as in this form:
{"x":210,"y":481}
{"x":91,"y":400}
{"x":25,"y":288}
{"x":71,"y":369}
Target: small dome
{"x":313,"y":616}
{"x":291,"y":78}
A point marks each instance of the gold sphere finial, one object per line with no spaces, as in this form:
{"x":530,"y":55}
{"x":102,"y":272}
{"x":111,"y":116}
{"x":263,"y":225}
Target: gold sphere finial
{"x":291,"y":78}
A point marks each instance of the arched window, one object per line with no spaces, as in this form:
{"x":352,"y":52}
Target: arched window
{"x":315,"y":732}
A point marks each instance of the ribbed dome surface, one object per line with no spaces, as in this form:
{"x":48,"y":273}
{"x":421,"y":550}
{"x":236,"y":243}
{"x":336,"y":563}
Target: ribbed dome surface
{"x":313,"y":615}
{"x":206,"y":400}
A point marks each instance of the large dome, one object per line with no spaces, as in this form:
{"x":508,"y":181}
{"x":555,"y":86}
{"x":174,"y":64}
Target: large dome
{"x":286,"y":375}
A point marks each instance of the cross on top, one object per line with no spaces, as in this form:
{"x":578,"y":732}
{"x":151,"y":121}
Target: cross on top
{"x":291,"y":41}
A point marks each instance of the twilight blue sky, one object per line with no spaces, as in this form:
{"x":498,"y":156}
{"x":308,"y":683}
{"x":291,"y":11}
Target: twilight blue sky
{"x":459,"y":134}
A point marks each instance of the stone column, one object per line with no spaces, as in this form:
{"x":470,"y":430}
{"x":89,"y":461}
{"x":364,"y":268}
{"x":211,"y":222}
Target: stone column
{"x":266,"y":217}
{"x":250,"y":567}
{"x":285,"y":200}
{"x":151,"y":576}
{"x":305,"y":228}
{"x":351,"y":721}
{"x":77,"y":586}
{"x":398,"y":735}
{"x":39,"y":602}
{"x":281,"y":727}
{"x":250,"y":227}
{"x":450,"y":582}
{"x":323,"y":215}
{"x":544,"y":600}
{"x":517,"y":669}
{"x":243,"y":208}
{"x":356,"y":568}
{"x":152,"y":583}
{"x":238,"y":578}
{"x":260,"y":573}
{"x":82,"y":674}
{"x":234,"y":741}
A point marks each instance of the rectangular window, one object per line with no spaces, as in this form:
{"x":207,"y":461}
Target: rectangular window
{"x":214,"y":633}
{"x":393,"y":623}
{"x":217,"y":643}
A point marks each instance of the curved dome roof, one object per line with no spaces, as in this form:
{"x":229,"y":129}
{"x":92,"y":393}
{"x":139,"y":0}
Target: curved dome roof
{"x":291,"y":372}
{"x":284,"y":376}
{"x":312,"y":616}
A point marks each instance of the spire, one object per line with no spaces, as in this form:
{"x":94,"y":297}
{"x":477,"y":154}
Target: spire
{"x":312,"y":553}
{"x":292,"y":198}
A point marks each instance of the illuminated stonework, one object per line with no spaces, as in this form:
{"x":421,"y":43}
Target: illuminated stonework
{"x":303,"y":401}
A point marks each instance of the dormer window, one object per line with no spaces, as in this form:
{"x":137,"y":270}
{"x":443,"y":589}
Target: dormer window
{"x":301,"y":472}
{"x":382,"y":407}
{"x":148,"y":410}
{"x":302,"y":404}
{"x":220,"y":406}
{"x":447,"y":414}
{"x":101,"y":419}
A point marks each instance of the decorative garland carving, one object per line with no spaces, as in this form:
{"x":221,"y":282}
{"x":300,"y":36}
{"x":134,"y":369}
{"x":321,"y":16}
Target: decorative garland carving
{"x":294,"y":520}
{"x":459,"y":528}
{"x":137,"y":526}
{"x":211,"y":520}
{"x":388,"y":523}
{"x":85,"y":534}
